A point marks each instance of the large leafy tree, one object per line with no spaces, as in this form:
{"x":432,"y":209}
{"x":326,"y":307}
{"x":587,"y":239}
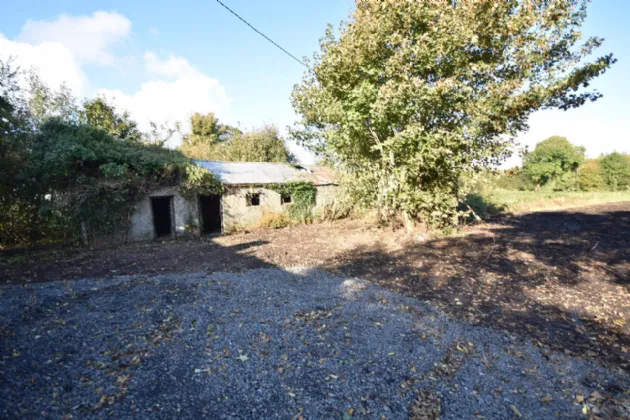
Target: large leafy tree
{"x":552,"y":160}
{"x":412,"y":96}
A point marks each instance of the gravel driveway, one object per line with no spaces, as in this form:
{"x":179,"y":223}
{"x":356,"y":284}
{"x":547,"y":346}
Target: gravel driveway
{"x":271,"y":343}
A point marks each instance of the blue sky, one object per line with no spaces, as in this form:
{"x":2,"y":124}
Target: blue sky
{"x":163,"y":60}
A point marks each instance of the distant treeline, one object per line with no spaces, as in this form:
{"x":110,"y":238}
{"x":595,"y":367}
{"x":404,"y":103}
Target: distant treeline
{"x":556,"y":164}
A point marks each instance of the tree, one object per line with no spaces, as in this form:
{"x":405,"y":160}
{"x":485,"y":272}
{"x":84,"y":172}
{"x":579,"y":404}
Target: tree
{"x":261,"y":145}
{"x":554,"y":160}
{"x":45,"y":103}
{"x":615,"y":170}
{"x":206,"y":133}
{"x":590,"y":176}
{"x":161,"y":134}
{"x":211,"y":140}
{"x":413,"y":96}
{"x":101,"y":114}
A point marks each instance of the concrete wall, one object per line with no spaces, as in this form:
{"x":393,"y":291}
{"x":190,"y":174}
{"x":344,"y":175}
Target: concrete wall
{"x":185,"y":216}
{"x":326,"y":196}
{"x":237,"y":214}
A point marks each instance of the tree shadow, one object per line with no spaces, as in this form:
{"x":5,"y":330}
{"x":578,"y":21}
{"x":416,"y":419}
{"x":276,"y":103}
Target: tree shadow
{"x":559,"y":278}
{"x":181,"y":256}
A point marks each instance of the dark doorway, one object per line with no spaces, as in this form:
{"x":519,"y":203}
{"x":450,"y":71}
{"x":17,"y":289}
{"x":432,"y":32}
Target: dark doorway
{"x":210,"y":208}
{"x":162,"y":215}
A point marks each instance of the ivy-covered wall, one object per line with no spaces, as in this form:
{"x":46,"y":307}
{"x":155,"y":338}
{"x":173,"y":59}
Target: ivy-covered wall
{"x":185,"y":216}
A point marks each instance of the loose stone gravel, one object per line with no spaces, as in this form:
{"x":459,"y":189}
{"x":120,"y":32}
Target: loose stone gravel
{"x":272,"y":344}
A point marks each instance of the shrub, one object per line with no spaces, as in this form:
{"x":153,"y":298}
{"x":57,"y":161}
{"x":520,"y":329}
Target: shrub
{"x":590,"y":176}
{"x":615,"y":170}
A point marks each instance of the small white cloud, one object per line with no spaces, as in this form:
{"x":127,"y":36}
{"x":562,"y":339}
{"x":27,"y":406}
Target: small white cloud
{"x":171,"y":67}
{"x":173,"y":100}
{"x":154,"y":31}
{"x":54,"y":61}
{"x":90,"y":38}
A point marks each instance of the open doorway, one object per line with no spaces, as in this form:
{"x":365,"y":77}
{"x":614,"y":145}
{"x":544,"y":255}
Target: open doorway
{"x":162,"y":215}
{"x":210,"y":209}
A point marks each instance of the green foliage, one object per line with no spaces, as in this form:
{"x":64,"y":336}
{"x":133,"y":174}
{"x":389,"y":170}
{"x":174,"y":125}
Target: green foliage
{"x":97,"y":177}
{"x":414,"y":96}
{"x":590,"y":176}
{"x":199,"y":181}
{"x":303,"y":198}
{"x":161,"y":134}
{"x":63,"y":175}
{"x":554,"y":161}
{"x":513,"y":179}
{"x":206,"y":133}
{"x":211,"y":140}
{"x":99,"y":113}
{"x":615,"y":170}
{"x":44,"y":103}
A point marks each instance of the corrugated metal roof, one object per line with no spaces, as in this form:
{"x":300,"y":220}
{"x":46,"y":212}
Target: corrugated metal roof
{"x":244,"y":173}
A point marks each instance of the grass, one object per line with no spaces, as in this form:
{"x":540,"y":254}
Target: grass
{"x":511,"y":201}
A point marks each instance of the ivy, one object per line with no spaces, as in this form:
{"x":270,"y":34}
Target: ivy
{"x":199,"y":181}
{"x":303,"y":197}
{"x":96,"y":179}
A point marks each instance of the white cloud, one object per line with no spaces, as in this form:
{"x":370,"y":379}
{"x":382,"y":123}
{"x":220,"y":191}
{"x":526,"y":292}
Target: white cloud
{"x":59,"y":49}
{"x":90,"y":38}
{"x":54,"y":61}
{"x":154,"y":31}
{"x":188,"y":91}
{"x":171,"y":67}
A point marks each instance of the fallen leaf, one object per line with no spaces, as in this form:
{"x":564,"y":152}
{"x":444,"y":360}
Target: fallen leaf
{"x":515,"y":411}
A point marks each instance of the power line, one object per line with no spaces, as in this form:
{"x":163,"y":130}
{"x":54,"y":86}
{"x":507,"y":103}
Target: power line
{"x":263,"y":35}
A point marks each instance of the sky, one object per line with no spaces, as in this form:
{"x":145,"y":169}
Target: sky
{"x":164,"y":60}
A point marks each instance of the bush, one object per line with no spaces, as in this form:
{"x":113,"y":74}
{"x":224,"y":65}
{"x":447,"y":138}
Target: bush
{"x":615,"y":170}
{"x":590,"y":176}
{"x":514,"y":179}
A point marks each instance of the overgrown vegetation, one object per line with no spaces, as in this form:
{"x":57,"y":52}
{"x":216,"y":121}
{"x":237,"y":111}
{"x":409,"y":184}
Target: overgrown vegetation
{"x":75,"y":171}
{"x":211,"y":140}
{"x":303,"y":197}
{"x":412,"y":97}
{"x":609,"y":172}
{"x":555,"y":174}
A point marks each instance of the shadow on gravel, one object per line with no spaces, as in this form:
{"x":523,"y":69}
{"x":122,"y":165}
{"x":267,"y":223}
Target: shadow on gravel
{"x":560,"y":278}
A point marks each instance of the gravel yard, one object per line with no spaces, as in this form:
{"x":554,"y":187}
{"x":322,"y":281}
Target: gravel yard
{"x":274,"y":343}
